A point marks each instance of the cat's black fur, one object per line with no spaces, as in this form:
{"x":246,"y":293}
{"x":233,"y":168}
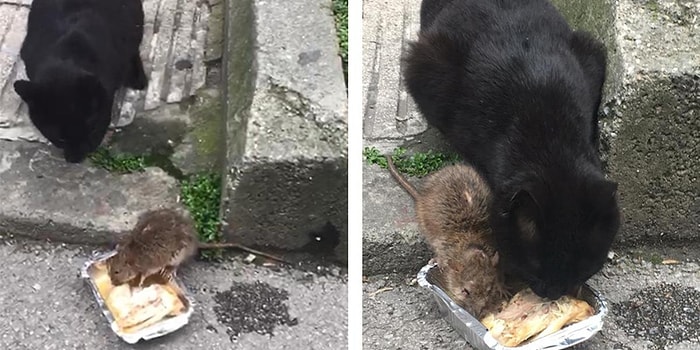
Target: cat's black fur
{"x":77,"y":54}
{"x":517,"y":92}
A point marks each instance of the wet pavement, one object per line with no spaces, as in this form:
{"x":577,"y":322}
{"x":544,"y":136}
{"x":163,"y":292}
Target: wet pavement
{"x":46,"y":305}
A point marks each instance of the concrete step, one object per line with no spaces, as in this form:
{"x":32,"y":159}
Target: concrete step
{"x":47,"y":306}
{"x":84,"y":204}
{"x":391,"y":240}
{"x":399,"y":314}
{"x":286,"y":110}
{"x":45,"y":197}
{"x":650,"y":123}
{"x":291,"y":139}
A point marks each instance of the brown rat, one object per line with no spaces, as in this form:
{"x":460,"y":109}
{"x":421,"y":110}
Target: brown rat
{"x":452,"y":211}
{"x":160,"y":242}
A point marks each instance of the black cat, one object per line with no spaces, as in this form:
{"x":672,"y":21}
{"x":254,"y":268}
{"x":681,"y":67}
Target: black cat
{"x":77,"y":54}
{"x":517,"y":92}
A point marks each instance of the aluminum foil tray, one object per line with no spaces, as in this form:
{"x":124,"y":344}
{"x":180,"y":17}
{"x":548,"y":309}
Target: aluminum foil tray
{"x":161,"y":328}
{"x":476,"y":334}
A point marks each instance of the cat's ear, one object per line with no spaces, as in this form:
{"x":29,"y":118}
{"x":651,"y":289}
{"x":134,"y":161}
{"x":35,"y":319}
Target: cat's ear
{"x":609,"y":189}
{"x":431,"y":67}
{"x":525,"y":211}
{"x":603,"y":193}
{"x":592,"y":56}
{"x":27,"y":90}
{"x":590,"y":52}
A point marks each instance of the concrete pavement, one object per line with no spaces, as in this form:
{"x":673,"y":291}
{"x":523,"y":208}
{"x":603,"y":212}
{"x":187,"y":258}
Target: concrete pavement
{"x":652,"y":306}
{"x":45,"y":305}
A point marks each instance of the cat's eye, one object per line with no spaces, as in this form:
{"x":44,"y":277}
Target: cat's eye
{"x":466,"y":291}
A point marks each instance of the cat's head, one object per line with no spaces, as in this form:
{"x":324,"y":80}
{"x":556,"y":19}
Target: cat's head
{"x":557,"y":237}
{"x":73,"y":112}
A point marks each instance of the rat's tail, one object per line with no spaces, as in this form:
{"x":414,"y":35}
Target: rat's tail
{"x":400,"y":179}
{"x":241,"y":247}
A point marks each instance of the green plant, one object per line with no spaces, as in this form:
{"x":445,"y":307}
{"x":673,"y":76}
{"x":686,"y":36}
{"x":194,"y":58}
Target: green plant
{"x":200,"y":193}
{"x":340,"y":11}
{"x":119,"y":163}
{"x":372,"y":156}
{"x":417,"y":164}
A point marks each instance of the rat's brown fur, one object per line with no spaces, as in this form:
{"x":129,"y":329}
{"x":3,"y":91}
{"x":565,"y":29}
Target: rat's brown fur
{"x":161,"y":241}
{"x":452,"y":211}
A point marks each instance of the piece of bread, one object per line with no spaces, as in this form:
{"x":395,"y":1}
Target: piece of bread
{"x":527,"y":316}
{"x":135,"y":308}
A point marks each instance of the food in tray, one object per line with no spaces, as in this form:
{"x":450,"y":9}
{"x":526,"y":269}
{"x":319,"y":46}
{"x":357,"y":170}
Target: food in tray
{"x":528,"y":316}
{"x":135,"y":308}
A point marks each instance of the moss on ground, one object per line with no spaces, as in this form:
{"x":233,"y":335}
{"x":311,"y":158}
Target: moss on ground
{"x":207,"y":128}
{"x":417,"y":164}
{"x":652,"y":257}
{"x":340,"y":11}
{"x":117,"y":163}
{"x":200,"y":193}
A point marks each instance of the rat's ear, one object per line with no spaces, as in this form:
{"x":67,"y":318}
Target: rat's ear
{"x":525,"y":211}
{"x":469,"y":286}
{"x":475,"y":252}
{"x":115,"y":244}
{"x":468,"y":197}
{"x":123,"y":241}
